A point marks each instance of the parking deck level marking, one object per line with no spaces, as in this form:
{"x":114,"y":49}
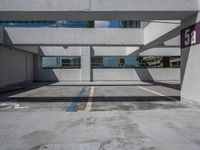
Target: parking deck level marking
{"x":170,"y":98}
{"x":75,"y":101}
{"x":89,"y":103}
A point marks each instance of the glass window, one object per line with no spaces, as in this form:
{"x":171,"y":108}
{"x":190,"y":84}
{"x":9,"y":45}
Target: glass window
{"x":61,"y":62}
{"x":70,"y":62}
{"x":135,"y":62}
{"x":72,"y":23}
{"x":50,"y":62}
{"x":130,"y":24}
{"x":44,"y":23}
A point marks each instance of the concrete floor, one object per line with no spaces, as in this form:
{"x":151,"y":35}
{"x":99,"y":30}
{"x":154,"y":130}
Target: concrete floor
{"x":68,"y":117}
{"x":60,"y":97}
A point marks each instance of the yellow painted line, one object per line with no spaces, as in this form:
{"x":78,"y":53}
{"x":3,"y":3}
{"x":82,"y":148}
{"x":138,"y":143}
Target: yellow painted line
{"x":170,"y":98}
{"x":89,"y":103}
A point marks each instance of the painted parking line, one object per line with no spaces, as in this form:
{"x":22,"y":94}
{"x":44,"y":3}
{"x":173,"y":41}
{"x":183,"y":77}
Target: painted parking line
{"x":154,"y":92}
{"x":10,"y":105}
{"x":75,"y":101}
{"x":89,"y":103}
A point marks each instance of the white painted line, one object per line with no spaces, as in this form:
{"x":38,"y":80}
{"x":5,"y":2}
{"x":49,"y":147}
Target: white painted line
{"x":89,"y":103}
{"x":170,"y":98}
{"x":10,"y":105}
{"x":6,"y":106}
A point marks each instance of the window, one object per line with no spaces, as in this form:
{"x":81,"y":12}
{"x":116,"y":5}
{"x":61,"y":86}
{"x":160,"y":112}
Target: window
{"x":50,"y":62}
{"x":114,"y":62}
{"x":44,"y":23}
{"x":130,"y":24}
{"x":135,"y":62}
{"x":70,"y":62}
{"x":61,"y":62}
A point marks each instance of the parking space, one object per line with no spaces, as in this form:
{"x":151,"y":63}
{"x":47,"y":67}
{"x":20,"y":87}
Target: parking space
{"x":69,"y":98}
{"x":135,"y":98}
{"x":45,"y":97}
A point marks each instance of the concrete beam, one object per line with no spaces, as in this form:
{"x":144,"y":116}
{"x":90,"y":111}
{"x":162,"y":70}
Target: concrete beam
{"x":96,"y":9}
{"x":130,"y":50}
{"x":172,"y":33}
{"x":159,"y":51}
{"x":155,"y":30}
{"x":59,"y":51}
{"x":174,"y":42}
{"x":75,"y":36}
{"x":5,"y":41}
{"x":106,"y":51}
{"x":109,"y":51}
{"x":168,"y":51}
{"x":156,"y":34}
{"x":76,"y":51}
{"x":30,"y":49}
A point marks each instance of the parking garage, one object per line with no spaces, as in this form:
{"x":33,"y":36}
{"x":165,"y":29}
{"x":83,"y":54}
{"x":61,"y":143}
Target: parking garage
{"x":134,"y":86}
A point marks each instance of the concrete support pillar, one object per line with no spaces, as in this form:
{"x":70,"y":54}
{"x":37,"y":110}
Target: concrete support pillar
{"x":86,"y":64}
{"x":190,"y":59}
{"x":37,"y":65}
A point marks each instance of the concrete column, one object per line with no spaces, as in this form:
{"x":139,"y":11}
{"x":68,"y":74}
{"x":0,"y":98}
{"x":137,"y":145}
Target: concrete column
{"x":86,"y":64}
{"x":37,"y":65}
{"x":190,"y":60}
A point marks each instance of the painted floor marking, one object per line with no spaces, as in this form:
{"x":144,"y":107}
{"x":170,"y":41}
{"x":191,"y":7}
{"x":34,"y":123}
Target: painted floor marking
{"x":10,"y":105}
{"x":89,"y":103}
{"x":75,"y":101}
{"x":170,"y":98}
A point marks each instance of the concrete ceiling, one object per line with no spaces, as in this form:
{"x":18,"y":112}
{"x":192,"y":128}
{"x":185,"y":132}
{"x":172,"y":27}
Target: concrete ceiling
{"x":97,"y":9}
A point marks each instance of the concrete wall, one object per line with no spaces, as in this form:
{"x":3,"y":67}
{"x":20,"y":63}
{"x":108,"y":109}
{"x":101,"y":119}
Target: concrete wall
{"x":16,"y":66}
{"x":111,"y":74}
{"x":86,"y":74}
{"x":60,"y":75}
{"x":190,"y":69}
{"x":157,"y":74}
{"x":190,"y":73}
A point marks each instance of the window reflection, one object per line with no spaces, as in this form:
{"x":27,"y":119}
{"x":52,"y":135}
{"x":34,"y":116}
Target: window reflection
{"x":61,"y":62}
{"x":135,"y":62}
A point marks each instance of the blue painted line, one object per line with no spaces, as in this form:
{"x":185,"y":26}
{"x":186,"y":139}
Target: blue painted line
{"x":75,"y":101}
